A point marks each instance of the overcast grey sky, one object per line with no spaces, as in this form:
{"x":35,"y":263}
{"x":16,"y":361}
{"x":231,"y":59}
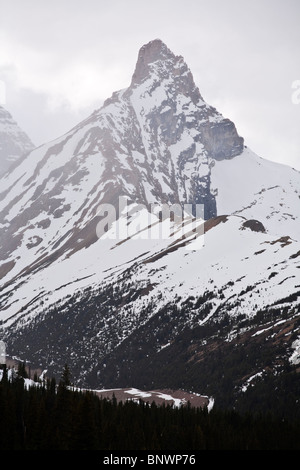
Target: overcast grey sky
{"x":60,"y":60}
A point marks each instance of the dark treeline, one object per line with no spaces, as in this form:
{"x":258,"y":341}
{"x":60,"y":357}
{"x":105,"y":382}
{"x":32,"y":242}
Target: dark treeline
{"x":54,"y":416}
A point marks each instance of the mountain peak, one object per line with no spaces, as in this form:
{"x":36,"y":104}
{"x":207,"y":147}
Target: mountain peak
{"x":148,"y":54}
{"x":14,"y":142}
{"x":154,"y":50}
{"x":156,"y":60}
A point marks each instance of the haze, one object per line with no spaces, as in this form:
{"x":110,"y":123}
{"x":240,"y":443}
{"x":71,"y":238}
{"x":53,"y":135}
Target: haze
{"x":60,"y":60}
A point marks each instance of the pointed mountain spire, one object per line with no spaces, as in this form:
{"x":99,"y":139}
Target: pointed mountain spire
{"x":148,"y":54}
{"x":167,"y":65}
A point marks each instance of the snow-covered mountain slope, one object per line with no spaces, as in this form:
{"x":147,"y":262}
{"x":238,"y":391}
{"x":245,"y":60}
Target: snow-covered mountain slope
{"x":156,"y":142}
{"x":256,"y":188}
{"x":235,"y":271}
{"x":14,"y":143}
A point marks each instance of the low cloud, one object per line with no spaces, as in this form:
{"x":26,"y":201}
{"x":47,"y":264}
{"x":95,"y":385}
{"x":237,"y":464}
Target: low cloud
{"x":60,"y":60}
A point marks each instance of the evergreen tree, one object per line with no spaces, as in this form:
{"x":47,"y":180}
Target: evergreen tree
{"x":66,"y":377}
{"x":22,"y":372}
{"x":46,"y":417}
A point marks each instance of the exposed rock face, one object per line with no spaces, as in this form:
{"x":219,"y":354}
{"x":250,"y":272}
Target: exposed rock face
{"x":221,"y":140}
{"x":14,"y":143}
{"x":149,"y":53}
{"x":254,"y":225}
